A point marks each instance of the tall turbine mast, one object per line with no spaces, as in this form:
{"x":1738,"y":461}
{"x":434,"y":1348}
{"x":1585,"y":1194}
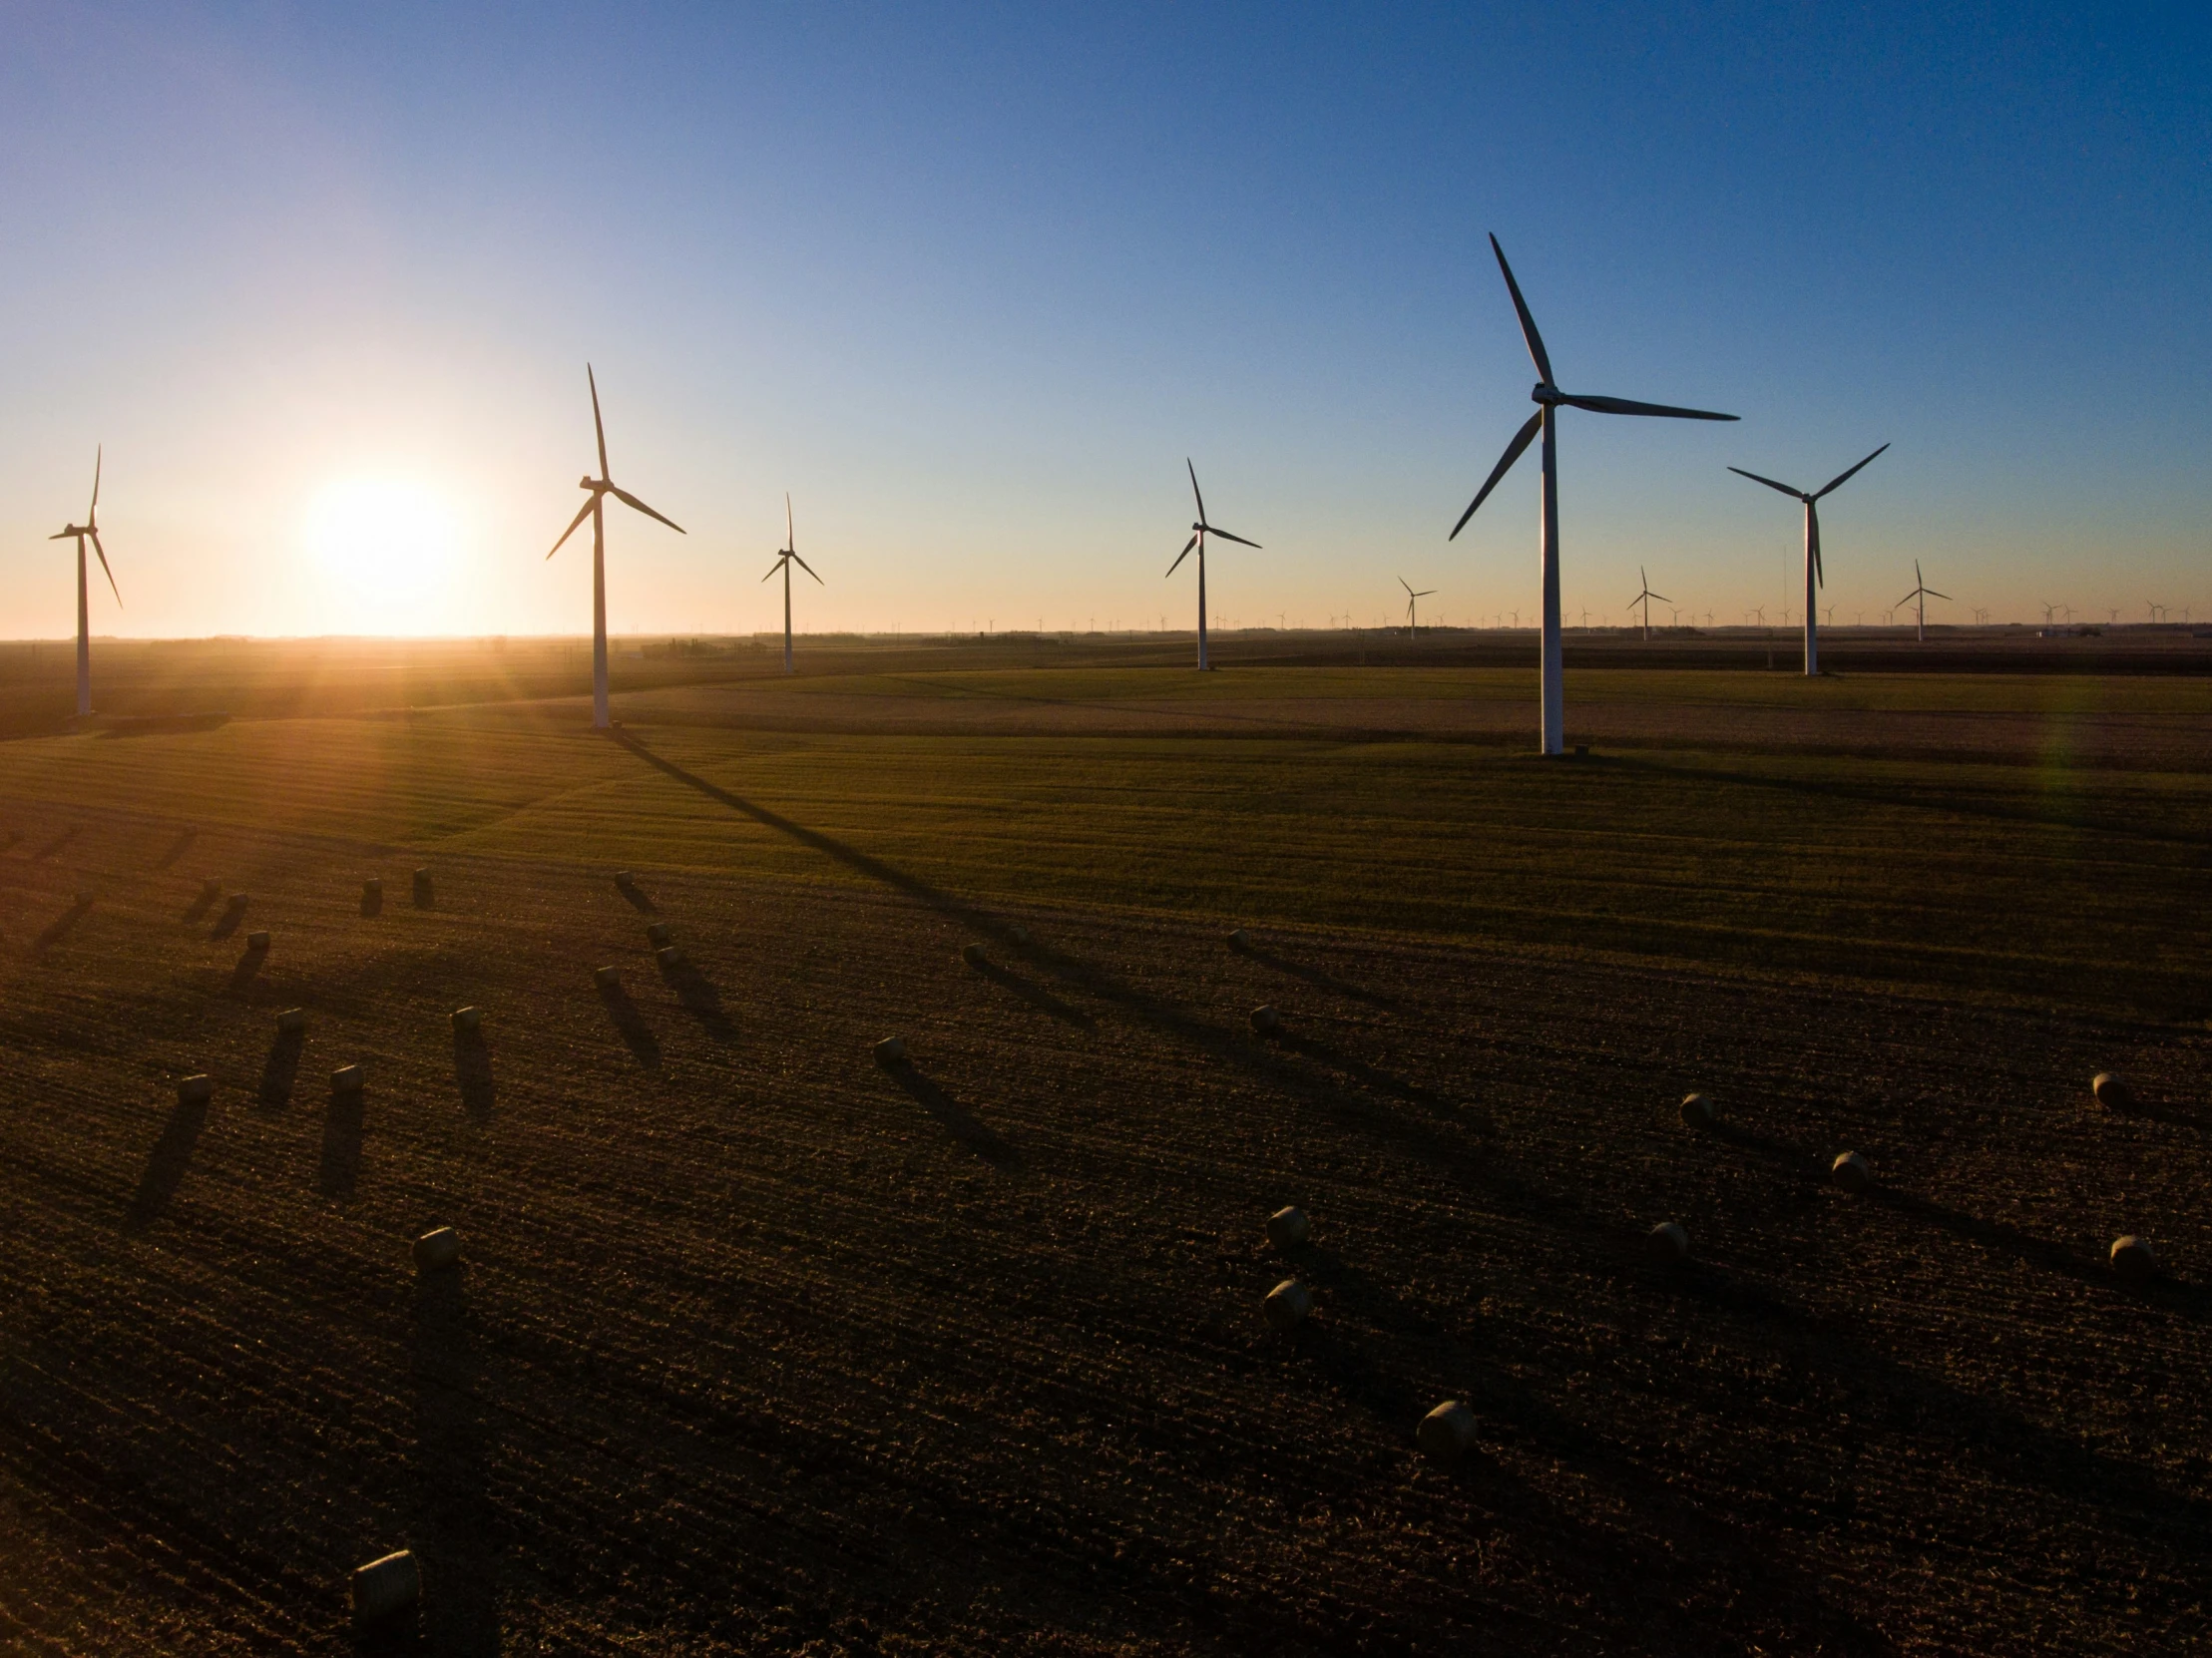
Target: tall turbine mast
{"x":784,"y":558}
{"x":1921,"y":592}
{"x":1198,"y":533}
{"x":1413,"y":601}
{"x":80,"y":532}
{"x":1814,"y":578}
{"x":1548,"y":399}
{"x":1645,"y":598}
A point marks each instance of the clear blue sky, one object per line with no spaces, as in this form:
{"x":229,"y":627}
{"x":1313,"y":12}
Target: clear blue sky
{"x":972,"y":282}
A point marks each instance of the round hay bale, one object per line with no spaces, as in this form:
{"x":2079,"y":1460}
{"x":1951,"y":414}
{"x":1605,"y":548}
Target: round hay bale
{"x":1288,"y":1305}
{"x":1446,"y":1433}
{"x":373,"y":887}
{"x":2112,"y":1091}
{"x":669,"y":956}
{"x":293,"y":1018}
{"x":1698,"y":1112}
{"x":435,"y":1250}
{"x":348,"y":1079}
{"x":891,"y":1050}
{"x":658,"y":936}
{"x":1019,"y":936}
{"x":607,"y":978}
{"x":2134,"y":1259}
{"x":1239,"y":939}
{"x":972,"y":954}
{"x":1266,"y":1021}
{"x":384,"y":1590}
{"x":467,"y":1019}
{"x":194,"y":1090}
{"x":1289,"y":1227}
{"x":239,"y":901}
{"x":1850,"y":1173}
{"x":256,"y":941}
{"x":1667,"y":1244}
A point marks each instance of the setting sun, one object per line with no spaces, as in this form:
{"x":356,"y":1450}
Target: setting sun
{"x":387,"y":548}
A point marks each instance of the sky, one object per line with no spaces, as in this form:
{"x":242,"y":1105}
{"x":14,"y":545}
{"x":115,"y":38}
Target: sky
{"x":971,"y":283}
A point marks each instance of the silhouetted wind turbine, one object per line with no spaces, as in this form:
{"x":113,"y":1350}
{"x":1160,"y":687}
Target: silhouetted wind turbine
{"x":601,"y":487}
{"x":91,"y":528}
{"x":1198,"y":533}
{"x":1412,"y":599}
{"x":1548,"y":398}
{"x":1814,"y":577}
{"x":1645,"y":598}
{"x":783,"y":562}
{"x":1921,"y":592}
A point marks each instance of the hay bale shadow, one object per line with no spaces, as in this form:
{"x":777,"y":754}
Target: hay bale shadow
{"x":699,"y":998}
{"x":58,"y":844}
{"x":58,"y":927}
{"x":249,"y":965}
{"x":233,"y":913}
{"x":165,"y":1168}
{"x":635,"y":1034}
{"x":372,"y":902}
{"x":1381,"y":1082}
{"x":451,"y":1465}
{"x":200,"y":906}
{"x":177,"y":849}
{"x":953,"y":1117}
{"x":1034,"y":994}
{"x":281,"y":1068}
{"x":425,"y":894}
{"x":638,"y":900}
{"x":15,"y":837}
{"x":341,"y":1142}
{"x":472,"y":1069}
{"x":1316,"y":977}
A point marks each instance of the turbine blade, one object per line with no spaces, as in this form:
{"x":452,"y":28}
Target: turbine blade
{"x":1795,"y":494}
{"x":1184,"y":554}
{"x":1662,"y":597}
{"x":1408,"y":586}
{"x":1529,"y":334}
{"x":1225,"y":536}
{"x":574,"y":523}
{"x":1930,"y":592}
{"x":629,"y":500}
{"x":597,"y":426}
{"x":98,"y":455}
{"x":773,"y":569}
{"x":809,"y":569}
{"x":1195,"y":489}
{"x":102,"y":552}
{"x":1521,"y":441}
{"x":1841,"y":477}
{"x":1621,"y":405}
{"x":1426,"y":593}
{"x":790,"y":536}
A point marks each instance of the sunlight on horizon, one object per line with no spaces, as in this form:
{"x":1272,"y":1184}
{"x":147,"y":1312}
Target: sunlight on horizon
{"x":389,"y":550}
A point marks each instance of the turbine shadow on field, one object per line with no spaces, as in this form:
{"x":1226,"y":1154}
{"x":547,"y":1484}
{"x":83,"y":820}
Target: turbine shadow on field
{"x":372,"y":900}
{"x":177,"y":849}
{"x":472,"y":1071}
{"x":58,"y":844}
{"x":281,"y":1068}
{"x":200,"y":906}
{"x":699,"y":998}
{"x":165,"y":1168}
{"x":341,"y":1143}
{"x":451,"y":1466}
{"x":60,"y":926}
{"x":1367,"y":1075}
{"x":984,"y":1141}
{"x":1035,"y":996}
{"x":635,"y":1034}
{"x":249,"y":965}
{"x":1318,"y":978}
{"x":639,"y":901}
{"x":233,"y":913}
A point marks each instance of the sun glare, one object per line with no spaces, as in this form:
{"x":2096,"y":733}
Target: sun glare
{"x":388,"y":548}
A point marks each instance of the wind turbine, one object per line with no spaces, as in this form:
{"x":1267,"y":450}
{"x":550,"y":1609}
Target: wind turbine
{"x":594,"y":509}
{"x":1413,"y":599}
{"x":91,"y":528}
{"x":1198,"y":533}
{"x":1921,"y":592}
{"x":1547,"y":398}
{"x":1814,"y":575}
{"x":1645,"y":598}
{"x":784,"y":558}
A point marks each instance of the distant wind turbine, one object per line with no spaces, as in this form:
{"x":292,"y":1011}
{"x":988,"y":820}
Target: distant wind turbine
{"x":1921,"y":592}
{"x":1198,"y":533}
{"x":1413,"y":600}
{"x":79,"y":532}
{"x":1814,"y":575}
{"x":594,"y":509}
{"x":1645,"y":598}
{"x":784,"y":558}
{"x":1547,"y":398}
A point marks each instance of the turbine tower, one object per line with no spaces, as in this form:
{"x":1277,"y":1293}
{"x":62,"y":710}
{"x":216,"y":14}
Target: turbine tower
{"x":1814,"y":577}
{"x":1548,"y":399}
{"x":1645,"y":598}
{"x":1921,"y":592}
{"x":91,"y":528}
{"x":783,"y":562}
{"x":594,"y":509}
{"x":1198,"y":533}
{"x":1412,"y":599}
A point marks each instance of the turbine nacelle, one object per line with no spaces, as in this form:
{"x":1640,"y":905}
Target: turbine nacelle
{"x":1548,"y":394}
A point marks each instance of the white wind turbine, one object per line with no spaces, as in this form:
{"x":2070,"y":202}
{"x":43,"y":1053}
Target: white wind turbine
{"x":79,"y":531}
{"x":1548,"y":398}
{"x":1814,"y":577}
{"x":784,"y":558}
{"x":1198,"y":533}
{"x":601,"y":487}
{"x":1413,"y":600}
{"x":1921,"y":592}
{"x":1645,"y":598}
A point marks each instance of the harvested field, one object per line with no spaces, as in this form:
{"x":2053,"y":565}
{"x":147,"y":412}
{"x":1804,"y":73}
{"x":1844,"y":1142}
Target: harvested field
{"x":757,"y":1343}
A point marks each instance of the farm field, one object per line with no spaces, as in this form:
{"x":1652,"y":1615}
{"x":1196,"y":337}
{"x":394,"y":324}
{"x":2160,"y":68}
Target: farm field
{"x":760,"y":1344}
